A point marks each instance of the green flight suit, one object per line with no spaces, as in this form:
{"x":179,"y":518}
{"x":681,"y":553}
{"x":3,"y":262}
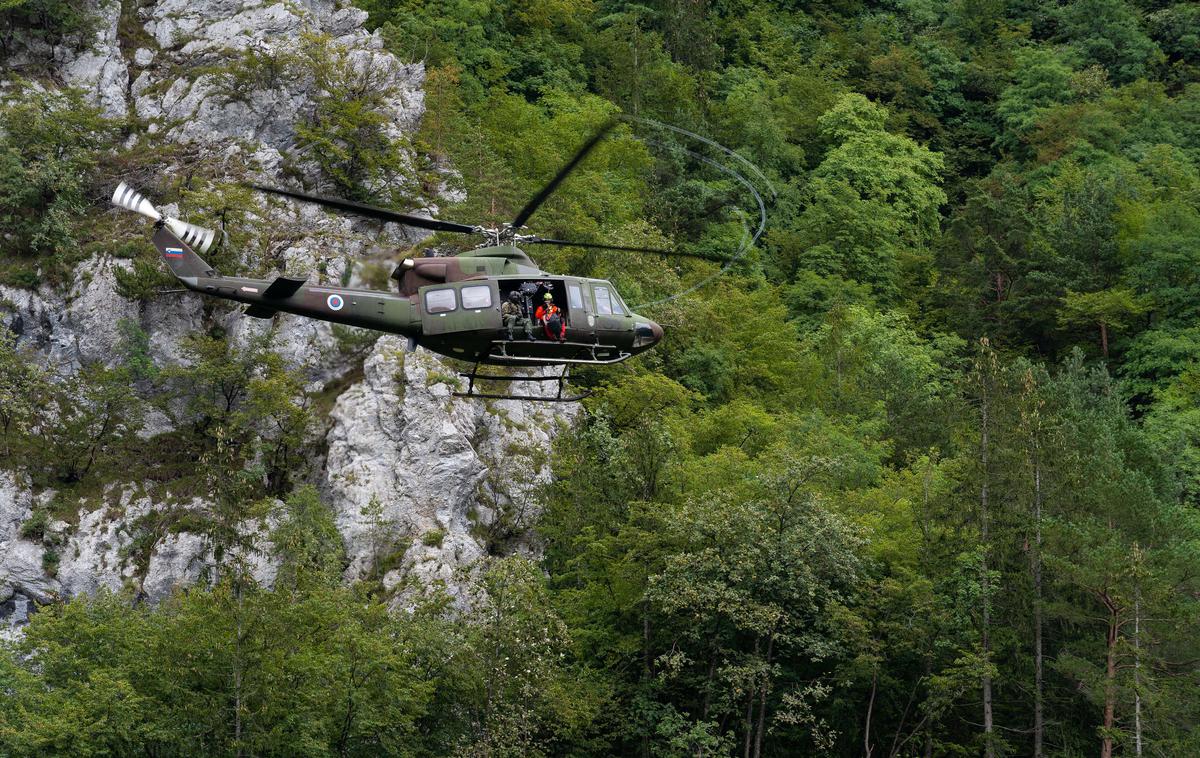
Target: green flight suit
{"x":513,"y":317}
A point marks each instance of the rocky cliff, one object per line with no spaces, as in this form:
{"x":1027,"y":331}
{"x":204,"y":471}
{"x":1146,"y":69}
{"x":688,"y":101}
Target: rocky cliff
{"x":421,"y":484}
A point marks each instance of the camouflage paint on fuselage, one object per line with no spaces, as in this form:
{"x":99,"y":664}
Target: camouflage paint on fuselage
{"x":466,"y":333}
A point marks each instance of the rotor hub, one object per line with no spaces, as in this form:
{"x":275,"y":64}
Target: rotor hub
{"x":505,"y":234}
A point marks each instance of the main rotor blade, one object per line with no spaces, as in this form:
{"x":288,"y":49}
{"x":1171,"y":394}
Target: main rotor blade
{"x":371,"y":211}
{"x":626,"y":248}
{"x":548,"y":190}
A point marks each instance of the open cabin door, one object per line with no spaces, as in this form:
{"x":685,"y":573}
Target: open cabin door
{"x":581,"y":321}
{"x":459,"y":307}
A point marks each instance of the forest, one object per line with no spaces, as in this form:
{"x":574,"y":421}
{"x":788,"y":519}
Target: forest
{"x":918,"y":476}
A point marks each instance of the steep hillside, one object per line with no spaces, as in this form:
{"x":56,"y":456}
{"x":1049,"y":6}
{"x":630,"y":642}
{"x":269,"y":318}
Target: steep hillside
{"x":199,"y":104}
{"x":917,"y":475}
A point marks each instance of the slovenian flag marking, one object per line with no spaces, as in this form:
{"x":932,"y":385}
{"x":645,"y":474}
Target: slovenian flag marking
{"x":173,"y":252}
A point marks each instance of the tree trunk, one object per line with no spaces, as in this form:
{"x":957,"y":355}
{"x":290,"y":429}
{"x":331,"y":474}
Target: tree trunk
{"x":751,"y":692}
{"x":762,"y":701}
{"x":1039,"y":724}
{"x":1110,"y":679}
{"x":708,"y":686}
{"x":95,"y":447}
{"x":646,"y":664}
{"x":1104,"y":339}
{"x":1137,"y":673}
{"x":708,"y":681}
{"x":985,"y":631}
{"x":637,"y":68}
{"x":925,"y":540}
{"x":870,"y":706}
{"x":928,"y":753}
{"x":237,"y":673}
{"x":348,"y":719}
{"x":746,"y":742}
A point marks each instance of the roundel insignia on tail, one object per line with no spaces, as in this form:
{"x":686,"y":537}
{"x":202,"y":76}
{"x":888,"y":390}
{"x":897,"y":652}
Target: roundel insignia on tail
{"x":335,"y":302}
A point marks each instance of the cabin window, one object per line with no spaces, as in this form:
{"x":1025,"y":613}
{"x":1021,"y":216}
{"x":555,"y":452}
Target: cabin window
{"x":604,"y":305}
{"x":574,"y":296}
{"x":439,"y":301}
{"x":479,"y":296}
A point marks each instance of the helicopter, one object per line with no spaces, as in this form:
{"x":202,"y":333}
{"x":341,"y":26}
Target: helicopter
{"x":450,"y":305}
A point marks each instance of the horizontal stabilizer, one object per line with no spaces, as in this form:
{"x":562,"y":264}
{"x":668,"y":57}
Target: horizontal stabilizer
{"x":283,"y":286}
{"x":260,"y":311}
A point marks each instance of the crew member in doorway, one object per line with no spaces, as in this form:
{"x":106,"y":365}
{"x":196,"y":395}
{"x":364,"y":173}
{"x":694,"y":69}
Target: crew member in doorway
{"x":514,"y":316}
{"x":552,"y":319}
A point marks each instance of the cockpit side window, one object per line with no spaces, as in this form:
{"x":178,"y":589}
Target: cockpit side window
{"x":604,"y":304}
{"x":619,"y":305}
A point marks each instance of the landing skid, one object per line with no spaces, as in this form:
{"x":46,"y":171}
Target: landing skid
{"x":474,"y":374}
{"x":499,"y":353}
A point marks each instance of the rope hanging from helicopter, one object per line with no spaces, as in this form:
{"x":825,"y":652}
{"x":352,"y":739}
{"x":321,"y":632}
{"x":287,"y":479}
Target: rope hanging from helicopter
{"x":748,"y":238}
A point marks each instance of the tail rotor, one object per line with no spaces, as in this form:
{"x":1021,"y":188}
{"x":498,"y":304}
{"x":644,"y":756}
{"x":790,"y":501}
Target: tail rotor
{"x":196,"y":237}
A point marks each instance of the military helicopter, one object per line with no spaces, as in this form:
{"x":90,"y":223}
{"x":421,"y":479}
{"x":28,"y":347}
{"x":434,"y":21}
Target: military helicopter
{"x":450,"y":305}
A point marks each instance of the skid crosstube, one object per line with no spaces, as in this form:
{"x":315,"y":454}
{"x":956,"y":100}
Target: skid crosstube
{"x":474,"y":374}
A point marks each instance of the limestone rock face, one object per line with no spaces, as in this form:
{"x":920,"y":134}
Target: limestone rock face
{"x":90,"y":61}
{"x":407,"y":462}
{"x":93,"y":556}
{"x":421,"y":484}
{"x":100,"y":69}
{"x":21,"y":575}
{"x":79,"y":325}
{"x":112,"y":548}
{"x":34,"y":320}
{"x":255,"y":98}
{"x":93,"y":310}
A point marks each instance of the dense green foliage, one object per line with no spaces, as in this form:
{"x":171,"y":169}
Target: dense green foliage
{"x":50,"y":148}
{"x":310,"y":667}
{"x":919,"y":477}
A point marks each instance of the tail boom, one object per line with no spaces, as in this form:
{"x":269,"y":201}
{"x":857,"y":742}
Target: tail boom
{"x":382,"y":311}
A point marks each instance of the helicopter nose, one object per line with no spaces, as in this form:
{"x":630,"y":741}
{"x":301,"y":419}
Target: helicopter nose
{"x":646,"y":334}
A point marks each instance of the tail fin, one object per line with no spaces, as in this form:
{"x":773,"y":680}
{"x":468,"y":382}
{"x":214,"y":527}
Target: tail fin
{"x":181,"y":259}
